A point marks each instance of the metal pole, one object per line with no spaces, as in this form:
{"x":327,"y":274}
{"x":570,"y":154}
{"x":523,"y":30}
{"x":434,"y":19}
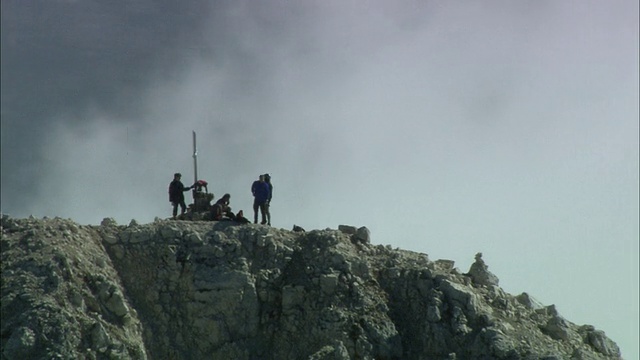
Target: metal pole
{"x":195,"y":159}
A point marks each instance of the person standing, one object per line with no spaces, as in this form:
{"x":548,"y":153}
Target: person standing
{"x":260,"y":191}
{"x":176,"y":196}
{"x":267,"y":179}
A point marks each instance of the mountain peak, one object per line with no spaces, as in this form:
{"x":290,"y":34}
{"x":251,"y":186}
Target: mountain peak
{"x":221,"y":290}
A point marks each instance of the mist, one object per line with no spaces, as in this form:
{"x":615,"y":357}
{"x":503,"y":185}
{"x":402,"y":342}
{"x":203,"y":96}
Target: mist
{"x":445,"y":128}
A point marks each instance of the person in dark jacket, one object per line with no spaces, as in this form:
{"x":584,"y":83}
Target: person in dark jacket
{"x":176,"y":196}
{"x":241,"y":219}
{"x":267,"y":179}
{"x":221,"y":208}
{"x":260,"y":191}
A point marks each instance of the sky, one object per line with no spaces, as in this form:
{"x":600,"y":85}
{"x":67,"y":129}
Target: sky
{"x":447,"y":128}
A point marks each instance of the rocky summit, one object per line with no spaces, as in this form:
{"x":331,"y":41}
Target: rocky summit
{"x":220,"y":290}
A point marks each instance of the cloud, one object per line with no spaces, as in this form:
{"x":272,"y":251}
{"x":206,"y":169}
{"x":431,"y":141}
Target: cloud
{"x":445,"y":128}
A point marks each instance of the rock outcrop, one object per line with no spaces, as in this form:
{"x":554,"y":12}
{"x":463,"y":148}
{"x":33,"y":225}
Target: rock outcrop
{"x":219,"y":290}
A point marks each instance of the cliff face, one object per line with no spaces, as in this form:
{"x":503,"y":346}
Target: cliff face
{"x":219,"y":290}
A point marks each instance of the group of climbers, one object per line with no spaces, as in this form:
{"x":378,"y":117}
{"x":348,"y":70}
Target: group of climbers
{"x":262,"y":191}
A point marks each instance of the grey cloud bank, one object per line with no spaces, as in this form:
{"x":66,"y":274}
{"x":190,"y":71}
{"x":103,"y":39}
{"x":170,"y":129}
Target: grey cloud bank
{"x":510,"y":129}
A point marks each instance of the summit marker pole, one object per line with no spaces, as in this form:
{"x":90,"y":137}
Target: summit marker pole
{"x":195,"y":159}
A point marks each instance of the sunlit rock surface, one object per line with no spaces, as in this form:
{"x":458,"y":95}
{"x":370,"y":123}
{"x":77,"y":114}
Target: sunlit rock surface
{"x":220,"y":290}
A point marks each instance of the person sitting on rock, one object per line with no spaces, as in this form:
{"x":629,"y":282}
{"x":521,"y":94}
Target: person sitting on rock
{"x":221,"y":208}
{"x":241,"y":219}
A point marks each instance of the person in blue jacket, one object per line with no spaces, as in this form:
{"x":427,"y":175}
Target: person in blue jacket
{"x":260,"y":191}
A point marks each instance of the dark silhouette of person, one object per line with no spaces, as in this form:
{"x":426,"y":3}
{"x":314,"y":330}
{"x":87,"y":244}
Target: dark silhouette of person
{"x":260,"y":191}
{"x":221,"y":207}
{"x":267,"y":179}
{"x":241,"y":219}
{"x":176,"y":194}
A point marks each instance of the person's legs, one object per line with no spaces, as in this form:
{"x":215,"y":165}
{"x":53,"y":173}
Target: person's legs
{"x":183,"y":207}
{"x":255,"y":211}
{"x":263,"y":211}
{"x":175,"y":209}
{"x":268,"y":214}
{"x":216,"y":212}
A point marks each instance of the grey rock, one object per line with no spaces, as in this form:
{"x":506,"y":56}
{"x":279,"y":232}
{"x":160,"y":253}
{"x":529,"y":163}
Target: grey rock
{"x":329,"y":283}
{"x":363,"y":235}
{"x":444,"y":264}
{"x":528,"y":301}
{"x":116,"y":304}
{"x":20,"y":344}
{"x":348,"y":229}
{"x":603,"y":344}
{"x":336,"y":351}
{"x":557,"y":328}
{"x":108,"y":222}
{"x":480,"y":273}
{"x":201,"y":289}
{"x":100,"y":339}
{"x":110,"y":238}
